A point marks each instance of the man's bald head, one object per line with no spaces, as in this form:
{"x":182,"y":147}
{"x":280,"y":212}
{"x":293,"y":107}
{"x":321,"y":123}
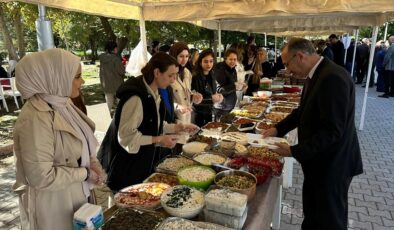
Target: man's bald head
{"x":391,"y":39}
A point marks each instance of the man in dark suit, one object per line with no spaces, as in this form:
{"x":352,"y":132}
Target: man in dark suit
{"x":338,"y":49}
{"x":328,"y":148}
{"x":362,"y":60}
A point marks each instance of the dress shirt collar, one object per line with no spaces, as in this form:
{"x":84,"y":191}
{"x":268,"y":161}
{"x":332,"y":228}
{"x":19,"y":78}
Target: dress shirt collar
{"x":312,"y":72}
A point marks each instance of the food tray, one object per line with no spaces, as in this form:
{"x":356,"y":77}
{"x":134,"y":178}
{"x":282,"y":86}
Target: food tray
{"x":141,"y":196}
{"x":133,"y":219}
{"x":276,"y":116}
{"x":215,"y":126}
{"x":246,"y":113}
{"x":237,"y":137}
{"x":275,"y":164}
{"x":170,"y":224}
{"x":285,"y":103}
{"x":172,"y":166}
{"x":266,"y":123}
{"x":162,"y":178}
{"x":204,"y":139}
{"x":282,"y":109}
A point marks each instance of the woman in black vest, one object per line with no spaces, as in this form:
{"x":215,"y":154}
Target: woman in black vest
{"x":139,"y":126}
{"x":204,"y":83}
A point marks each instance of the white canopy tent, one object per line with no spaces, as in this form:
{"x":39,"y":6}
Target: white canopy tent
{"x":246,"y":15}
{"x":279,"y":17}
{"x":192,"y":10}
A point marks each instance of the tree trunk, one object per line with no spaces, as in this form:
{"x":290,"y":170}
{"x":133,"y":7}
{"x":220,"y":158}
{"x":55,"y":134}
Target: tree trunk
{"x":122,"y":43}
{"x":19,"y":33}
{"x":93,"y":46}
{"x":6,"y":35}
{"x":108,"y":29}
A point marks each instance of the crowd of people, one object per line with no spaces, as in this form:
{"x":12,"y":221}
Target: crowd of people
{"x":334,"y":50}
{"x":178,"y":92}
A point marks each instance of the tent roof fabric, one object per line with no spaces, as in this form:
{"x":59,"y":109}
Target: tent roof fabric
{"x":193,"y":10}
{"x":277,"y":24}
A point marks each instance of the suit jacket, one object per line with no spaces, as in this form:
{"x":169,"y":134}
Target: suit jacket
{"x":328,"y":144}
{"x":388,"y":61}
{"x":327,"y":53}
{"x":338,"y":49}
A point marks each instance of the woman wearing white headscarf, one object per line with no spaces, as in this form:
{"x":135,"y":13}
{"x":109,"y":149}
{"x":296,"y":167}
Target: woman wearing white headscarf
{"x":55,"y":148}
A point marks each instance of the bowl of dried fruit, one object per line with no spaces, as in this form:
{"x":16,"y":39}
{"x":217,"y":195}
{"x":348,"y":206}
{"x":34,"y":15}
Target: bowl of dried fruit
{"x":237,"y":181}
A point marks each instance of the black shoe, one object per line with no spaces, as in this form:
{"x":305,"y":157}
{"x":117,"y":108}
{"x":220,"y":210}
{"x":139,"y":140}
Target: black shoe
{"x":358,"y":82}
{"x":391,"y":95}
{"x":384,"y":96}
{"x":363,"y":86}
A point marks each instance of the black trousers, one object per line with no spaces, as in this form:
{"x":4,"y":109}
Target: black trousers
{"x":362,"y":68}
{"x":389,"y":82}
{"x":325,"y":203}
{"x":201,"y":119}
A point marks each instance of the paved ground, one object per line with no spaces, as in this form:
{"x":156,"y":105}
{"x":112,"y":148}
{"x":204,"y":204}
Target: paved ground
{"x":371,"y":195}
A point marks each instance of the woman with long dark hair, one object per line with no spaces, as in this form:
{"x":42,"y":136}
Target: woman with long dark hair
{"x":204,"y":83}
{"x":183,"y":95}
{"x":139,"y":129}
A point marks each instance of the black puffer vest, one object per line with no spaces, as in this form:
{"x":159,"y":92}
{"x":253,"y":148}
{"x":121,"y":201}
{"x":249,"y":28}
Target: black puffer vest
{"x":126,"y":169}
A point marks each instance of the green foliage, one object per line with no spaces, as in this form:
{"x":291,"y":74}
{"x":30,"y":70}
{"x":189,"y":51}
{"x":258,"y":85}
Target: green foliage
{"x":366,"y":32}
{"x":179,"y":31}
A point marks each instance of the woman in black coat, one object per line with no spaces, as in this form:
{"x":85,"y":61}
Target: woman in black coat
{"x":204,"y":83}
{"x":226,"y":78}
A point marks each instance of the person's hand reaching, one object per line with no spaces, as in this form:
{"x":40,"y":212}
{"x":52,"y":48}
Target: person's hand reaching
{"x":168,"y":141}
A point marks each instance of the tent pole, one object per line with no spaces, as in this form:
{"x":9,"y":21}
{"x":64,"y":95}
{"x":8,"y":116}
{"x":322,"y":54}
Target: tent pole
{"x":371,"y":56}
{"x":346,"y":47}
{"x":143,"y":33}
{"x":219,"y":40}
{"x":265,"y":39}
{"x":354,"y":53}
{"x":44,"y":30}
{"x":385,"y":32}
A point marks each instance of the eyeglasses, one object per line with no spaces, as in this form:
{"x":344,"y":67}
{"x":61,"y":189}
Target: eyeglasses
{"x":286,"y":64}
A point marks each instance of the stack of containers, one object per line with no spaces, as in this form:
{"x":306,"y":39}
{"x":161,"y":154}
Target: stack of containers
{"x":226,"y":208}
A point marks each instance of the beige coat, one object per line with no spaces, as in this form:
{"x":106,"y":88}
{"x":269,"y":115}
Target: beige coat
{"x":182,"y":96}
{"x":48,"y":178}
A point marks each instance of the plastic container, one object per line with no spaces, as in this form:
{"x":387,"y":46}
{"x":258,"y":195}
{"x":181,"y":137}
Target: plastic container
{"x":291,"y":89}
{"x":264,"y":93}
{"x":226,"y":201}
{"x":230,"y":221}
{"x":265,"y":83}
{"x":171,"y":222}
{"x":88,"y":216}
